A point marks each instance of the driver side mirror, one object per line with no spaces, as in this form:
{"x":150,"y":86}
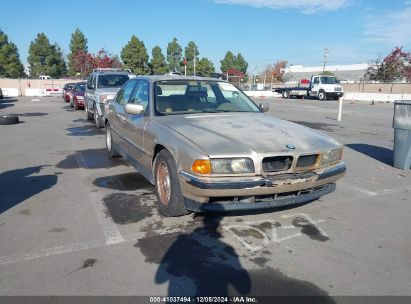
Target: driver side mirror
{"x":264,"y":107}
{"x":134,"y":109}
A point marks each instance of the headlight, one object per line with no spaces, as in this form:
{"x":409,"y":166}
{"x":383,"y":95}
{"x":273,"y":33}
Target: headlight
{"x":232,"y":166}
{"x":331,"y":156}
{"x":104,"y":97}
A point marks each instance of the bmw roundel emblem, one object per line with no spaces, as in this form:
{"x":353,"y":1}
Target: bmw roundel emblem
{"x":290,"y":146}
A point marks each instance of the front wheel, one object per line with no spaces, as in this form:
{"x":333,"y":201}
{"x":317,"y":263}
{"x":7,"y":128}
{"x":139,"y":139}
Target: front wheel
{"x":89,"y":116}
{"x":97,"y":119}
{"x":322,"y":96}
{"x":168,"y":189}
{"x":110,"y":145}
{"x":286,"y":94}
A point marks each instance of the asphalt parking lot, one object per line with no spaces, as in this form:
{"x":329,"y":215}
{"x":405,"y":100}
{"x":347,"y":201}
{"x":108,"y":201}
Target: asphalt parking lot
{"x":74,"y":222}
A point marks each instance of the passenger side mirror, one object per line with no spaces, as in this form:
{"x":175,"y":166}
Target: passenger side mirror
{"x":134,"y":109}
{"x":264,"y":107}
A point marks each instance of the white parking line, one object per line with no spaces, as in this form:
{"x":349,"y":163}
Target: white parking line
{"x":51,"y":251}
{"x":358,"y":189}
{"x":110,"y":230}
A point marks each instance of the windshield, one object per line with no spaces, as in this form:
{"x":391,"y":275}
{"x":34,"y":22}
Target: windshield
{"x":328,"y":80}
{"x":81,"y":87}
{"x":112,"y":81}
{"x":189,"y":96}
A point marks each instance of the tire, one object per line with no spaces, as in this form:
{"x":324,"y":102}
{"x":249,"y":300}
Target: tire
{"x":97,"y":120}
{"x":168,"y":189}
{"x":9,"y":120}
{"x":286,"y":94}
{"x":89,"y":116}
{"x":71,"y":103}
{"x":111,"y":150}
{"x":321,"y":95}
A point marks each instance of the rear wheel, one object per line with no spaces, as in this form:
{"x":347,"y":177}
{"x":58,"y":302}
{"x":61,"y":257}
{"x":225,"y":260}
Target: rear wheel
{"x":168,"y":189}
{"x":286,"y":94}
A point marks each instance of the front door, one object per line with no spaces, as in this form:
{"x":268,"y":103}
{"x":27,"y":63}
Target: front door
{"x":117,"y":115}
{"x":133,"y":125}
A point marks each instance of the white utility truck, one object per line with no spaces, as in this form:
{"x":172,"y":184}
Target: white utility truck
{"x":321,"y":86}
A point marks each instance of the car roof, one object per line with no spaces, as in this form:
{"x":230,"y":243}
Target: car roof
{"x":155,"y":78}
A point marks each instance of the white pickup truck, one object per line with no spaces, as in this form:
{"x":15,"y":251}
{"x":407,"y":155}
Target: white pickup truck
{"x":321,"y":86}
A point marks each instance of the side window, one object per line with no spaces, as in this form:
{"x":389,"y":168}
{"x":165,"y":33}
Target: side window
{"x":316,"y":80}
{"x":94,"y":81}
{"x":140,"y":95}
{"x":123,"y":95}
{"x":90,"y":81}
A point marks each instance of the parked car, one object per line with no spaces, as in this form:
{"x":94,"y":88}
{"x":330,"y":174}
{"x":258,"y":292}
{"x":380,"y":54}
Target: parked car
{"x":77,"y":95}
{"x":1,"y":94}
{"x":207,"y":147}
{"x":66,"y":89}
{"x":102,"y":85}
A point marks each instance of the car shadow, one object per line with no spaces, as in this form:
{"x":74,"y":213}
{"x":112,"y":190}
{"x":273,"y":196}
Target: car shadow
{"x":90,"y":159}
{"x":18,"y":185}
{"x":380,"y":154}
{"x":7,"y":102}
{"x":85,"y":130}
{"x":200,"y":263}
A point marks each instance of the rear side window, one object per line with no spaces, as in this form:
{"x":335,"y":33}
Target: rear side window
{"x":111,"y":81}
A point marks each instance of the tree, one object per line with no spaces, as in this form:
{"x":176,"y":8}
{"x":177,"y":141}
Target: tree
{"x":83,"y":62}
{"x":394,"y":67}
{"x":229,"y":62}
{"x":205,"y":67}
{"x":135,"y":56}
{"x":191,"y":53}
{"x":105,"y":60}
{"x":78,"y":43}
{"x":45,"y":58}
{"x":240,"y":63}
{"x":174,"y":53}
{"x":86,"y":62}
{"x":278,"y":71}
{"x":10,"y":64}
{"x":158,"y":62}
{"x":327,"y":73}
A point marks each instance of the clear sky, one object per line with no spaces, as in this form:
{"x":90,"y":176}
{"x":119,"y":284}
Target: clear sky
{"x":355,"y":31}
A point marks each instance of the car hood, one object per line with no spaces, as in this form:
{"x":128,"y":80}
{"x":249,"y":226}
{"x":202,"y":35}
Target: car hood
{"x":246,"y":133}
{"x":108,"y":90}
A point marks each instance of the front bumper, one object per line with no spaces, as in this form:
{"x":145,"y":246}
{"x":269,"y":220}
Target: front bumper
{"x":255,"y":193}
{"x":289,"y":200}
{"x":334,"y":94}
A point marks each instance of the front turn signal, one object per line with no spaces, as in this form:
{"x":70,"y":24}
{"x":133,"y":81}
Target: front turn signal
{"x":201,"y":166}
